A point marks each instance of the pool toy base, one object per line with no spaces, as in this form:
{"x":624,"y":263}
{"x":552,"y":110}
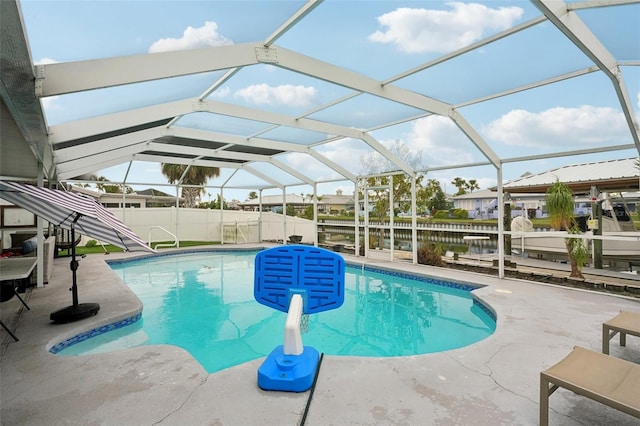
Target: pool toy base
{"x":288,"y":373}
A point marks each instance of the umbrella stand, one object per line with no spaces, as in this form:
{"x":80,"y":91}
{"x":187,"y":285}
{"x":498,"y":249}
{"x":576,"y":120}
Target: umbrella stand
{"x":77,"y":311}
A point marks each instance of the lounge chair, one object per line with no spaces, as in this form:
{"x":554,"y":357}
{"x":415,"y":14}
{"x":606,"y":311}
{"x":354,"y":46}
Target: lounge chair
{"x":624,"y":323}
{"x":603,"y":378}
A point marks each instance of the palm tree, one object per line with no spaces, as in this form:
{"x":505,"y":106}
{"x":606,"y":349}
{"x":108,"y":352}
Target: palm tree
{"x":472,"y":184}
{"x":461,"y":184}
{"x":560,"y":204}
{"x":195,"y":175}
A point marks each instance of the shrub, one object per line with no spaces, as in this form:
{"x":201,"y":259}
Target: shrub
{"x":430,"y":255}
{"x":91,"y":243}
{"x":460,"y":214}
{"x":441,"y":214}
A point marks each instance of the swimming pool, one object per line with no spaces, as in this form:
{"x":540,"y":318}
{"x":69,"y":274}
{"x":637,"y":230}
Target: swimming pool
{"x":203,"y":302}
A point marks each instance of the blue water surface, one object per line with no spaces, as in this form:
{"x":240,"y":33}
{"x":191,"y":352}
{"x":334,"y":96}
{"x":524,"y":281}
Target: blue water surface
{"x":203,"y":302}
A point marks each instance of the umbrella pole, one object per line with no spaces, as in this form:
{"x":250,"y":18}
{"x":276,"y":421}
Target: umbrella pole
{"x":76,"y":311}
{"x":74,"y":264}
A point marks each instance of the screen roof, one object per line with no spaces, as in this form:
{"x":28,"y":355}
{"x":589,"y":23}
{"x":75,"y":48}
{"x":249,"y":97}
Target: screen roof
{"x":279,"y":94}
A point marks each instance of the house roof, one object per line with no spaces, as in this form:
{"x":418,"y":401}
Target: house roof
{"x":608,"y":176}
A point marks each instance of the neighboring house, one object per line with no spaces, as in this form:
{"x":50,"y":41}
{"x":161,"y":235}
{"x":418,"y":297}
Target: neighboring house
{"x":607,"y":176}
{"x":158,"y":198}
{"x":477,"y":203}
{"x":327,"y":204}
{"x":335,"y":203}
{"x":528,"y":192}
{"x":142,"y":199}
{"x":483,"y":204}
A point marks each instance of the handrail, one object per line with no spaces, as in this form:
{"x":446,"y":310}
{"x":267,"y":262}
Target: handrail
{"x":175,"y":239}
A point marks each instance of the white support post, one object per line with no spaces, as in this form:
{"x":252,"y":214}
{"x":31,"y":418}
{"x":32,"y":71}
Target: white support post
{"x":414,"y":223}
{"x":392,"y":212}
{"x":260,"y":214}
{"x":315,"y":214}
{"x":40,"y":239}
{"x":356,"y":209}
{"x":292,"y":336}
{"x":222,"y":210}
{"x":366,"y":219}
{"x":284,"y":215}
{"x":500,"y":223}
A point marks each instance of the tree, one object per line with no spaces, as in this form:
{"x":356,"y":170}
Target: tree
{"x":461,"y":184}
{"x":214,"y":205}
{"x":472,"y":184}
{"x":253,"y":195}
{"x":107,"y":188}
{"x":430,"y":196}
{"x":308,"y":212}
{"x":376,"y":164}
{"x":438,"y":201}
{"x":195,"y":175}
{"x":560,"y":204}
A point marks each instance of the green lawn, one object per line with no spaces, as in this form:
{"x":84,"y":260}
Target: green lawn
{"x":113,"y":249}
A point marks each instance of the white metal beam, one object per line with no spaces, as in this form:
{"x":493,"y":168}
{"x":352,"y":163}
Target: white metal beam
{"x":84,"y":150}
{"x":120,"y":120}
{"x":69,"y":77}
{"x":101,"y":161}
{"x":293,"y":19}
{"x":263,"y":177}
{"x":333,"y":74}
{"x":292,"y":171}
{"x":206,"y":135}
{"x":186,"y":161}
{"x":126,"y":119}
{"x":475,"y":138}
{"x":204,"y":152}
{"x":570,"y":24}
{"x":495,"y":37}
{"x":373,"y":143}
{"x":338,"y":168}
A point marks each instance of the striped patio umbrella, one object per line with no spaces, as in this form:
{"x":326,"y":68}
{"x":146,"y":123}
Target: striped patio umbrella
{"x":64,"y":209}
{"x":70,"y":211}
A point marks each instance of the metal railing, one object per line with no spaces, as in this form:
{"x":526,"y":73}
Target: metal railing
{"x":175,"y":239}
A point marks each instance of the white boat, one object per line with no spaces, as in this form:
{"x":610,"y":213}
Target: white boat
{"x":621,"y":240}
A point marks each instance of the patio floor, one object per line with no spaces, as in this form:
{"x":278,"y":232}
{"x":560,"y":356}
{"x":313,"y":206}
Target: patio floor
{"x":493,"y":382}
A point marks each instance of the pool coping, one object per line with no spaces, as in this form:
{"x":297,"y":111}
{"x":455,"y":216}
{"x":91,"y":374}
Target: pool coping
{"x":494,"y":381}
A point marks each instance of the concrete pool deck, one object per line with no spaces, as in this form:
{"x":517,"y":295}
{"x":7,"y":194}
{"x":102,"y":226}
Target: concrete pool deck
{"x":492,"y":382}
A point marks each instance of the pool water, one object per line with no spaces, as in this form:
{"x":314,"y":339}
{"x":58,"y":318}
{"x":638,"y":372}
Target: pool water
{"x":203,"y":302}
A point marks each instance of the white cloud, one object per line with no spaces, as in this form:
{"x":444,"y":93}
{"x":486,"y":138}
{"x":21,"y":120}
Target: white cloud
{"x":286,"y":94}
{"x":440,"y":141}
{"x":430,"y":30}
{"x":222,"y":92}
{"x":585,"y":125}
{"x":45,"y":61}
{"x":192,"y":38}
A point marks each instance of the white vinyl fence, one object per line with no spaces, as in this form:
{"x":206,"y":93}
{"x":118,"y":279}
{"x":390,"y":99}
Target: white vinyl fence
{"x":230,"y":226}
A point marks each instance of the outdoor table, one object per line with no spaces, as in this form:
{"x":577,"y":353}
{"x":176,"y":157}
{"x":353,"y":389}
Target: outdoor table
{"x":13,"y":269}
{"x":16,"y":268}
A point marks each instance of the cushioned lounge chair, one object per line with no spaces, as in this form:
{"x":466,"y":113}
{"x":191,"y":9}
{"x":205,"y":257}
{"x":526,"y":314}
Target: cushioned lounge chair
{"x":603,"y":378}
{"x":624,"y":323}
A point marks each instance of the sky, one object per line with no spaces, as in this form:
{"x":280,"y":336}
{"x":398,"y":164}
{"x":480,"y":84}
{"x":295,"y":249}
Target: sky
{"x":380,"y":39}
